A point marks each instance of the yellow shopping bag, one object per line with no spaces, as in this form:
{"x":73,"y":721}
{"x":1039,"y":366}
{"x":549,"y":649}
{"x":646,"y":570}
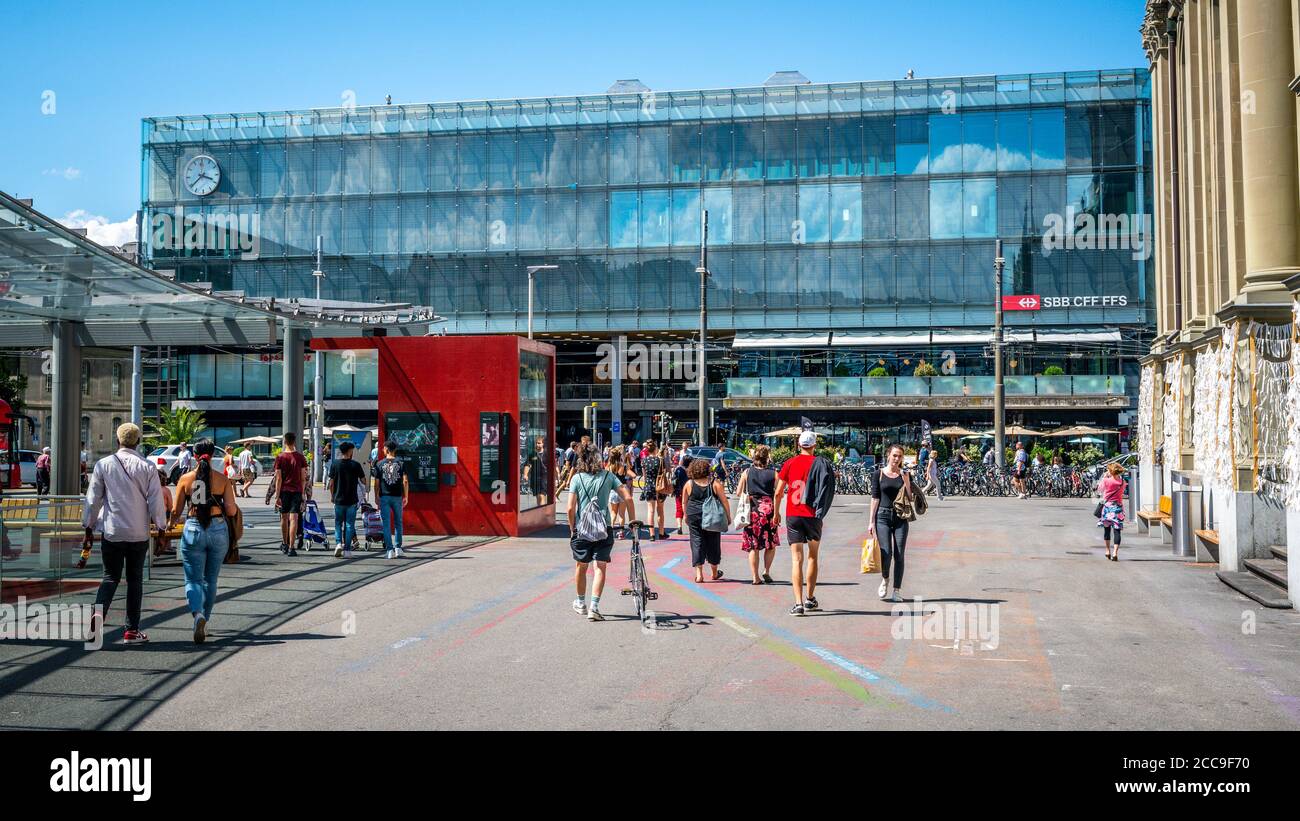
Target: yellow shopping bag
{"x":870,"y":556}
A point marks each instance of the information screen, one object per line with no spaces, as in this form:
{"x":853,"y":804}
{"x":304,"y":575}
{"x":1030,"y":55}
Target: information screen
{"x":416,"y":437}
{"x":493,"y":438}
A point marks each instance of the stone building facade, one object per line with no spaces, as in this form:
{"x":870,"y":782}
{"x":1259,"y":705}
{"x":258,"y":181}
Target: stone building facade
{"x":1219,"y":402}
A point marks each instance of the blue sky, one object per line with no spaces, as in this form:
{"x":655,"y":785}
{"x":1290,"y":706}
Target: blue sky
{"x":109,"y":65}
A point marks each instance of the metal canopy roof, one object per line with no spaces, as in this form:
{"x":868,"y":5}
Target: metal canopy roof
{"x":48,"y":273}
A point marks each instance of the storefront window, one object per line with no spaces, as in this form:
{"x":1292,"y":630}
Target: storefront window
{"x":536,"y":454}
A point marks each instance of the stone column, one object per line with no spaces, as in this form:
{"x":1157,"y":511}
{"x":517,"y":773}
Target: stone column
{"x":1270,"y":180}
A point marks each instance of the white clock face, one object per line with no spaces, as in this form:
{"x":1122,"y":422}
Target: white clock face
{"x":202,"y":175}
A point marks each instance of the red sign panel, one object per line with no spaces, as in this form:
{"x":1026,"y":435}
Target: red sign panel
{"x":1021,"y":302}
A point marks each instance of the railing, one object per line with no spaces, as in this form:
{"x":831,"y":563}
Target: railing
{"x":638,"y":390}
{"x":42,"y":539}
{"x":793,"y":387}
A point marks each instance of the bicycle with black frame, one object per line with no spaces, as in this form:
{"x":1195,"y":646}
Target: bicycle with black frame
{"x":639,"y":585}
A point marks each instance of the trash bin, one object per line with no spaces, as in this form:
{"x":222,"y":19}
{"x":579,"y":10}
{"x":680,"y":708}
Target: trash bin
{"x":1134,"y":494}
{"x":1186,"y":498}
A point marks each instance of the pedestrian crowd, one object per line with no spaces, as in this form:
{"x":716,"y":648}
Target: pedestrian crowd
{"x":130,"y":509}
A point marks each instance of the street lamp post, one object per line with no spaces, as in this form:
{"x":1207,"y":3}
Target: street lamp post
{"x":533,"y":269}
{"x":701,"y":363}
{"x":999,"y":394}
{"x":318,"y":386}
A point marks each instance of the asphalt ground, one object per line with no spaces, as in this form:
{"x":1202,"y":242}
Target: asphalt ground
{"x":51,"y":684}
{"x":485,"y":638}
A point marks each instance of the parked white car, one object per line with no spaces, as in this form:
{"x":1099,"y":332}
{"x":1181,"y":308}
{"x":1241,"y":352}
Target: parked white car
{"x":166,"y":457}
{"x":27,"y":466}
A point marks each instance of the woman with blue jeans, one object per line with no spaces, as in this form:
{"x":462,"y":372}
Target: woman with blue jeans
{"x":205,"y":538}
{"x":391,"y":489}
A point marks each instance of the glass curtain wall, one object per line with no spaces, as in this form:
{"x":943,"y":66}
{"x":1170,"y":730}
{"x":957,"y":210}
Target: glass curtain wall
{"x":866,"y":200}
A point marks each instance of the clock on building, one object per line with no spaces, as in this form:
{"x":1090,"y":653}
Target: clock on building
{"x":202,"y":174}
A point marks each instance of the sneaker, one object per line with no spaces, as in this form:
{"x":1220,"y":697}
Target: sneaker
{"x":293,"y":552}
{"x":896,"y":597}
{"x":388,"y":554}
{"x":810,"y":604}
{"x":399,"y":552}
{"x":338,"y":551}
{"x":134,"y":637}
{"x":767,"y":578}
{"x":200,"y":630}
{"x":347,"y":554}
{"x":883,"y":590}
{"x":580,"y":606}
{"x":594,"y":614}
{"x":284,"y":548}
{"x":797,"y":610}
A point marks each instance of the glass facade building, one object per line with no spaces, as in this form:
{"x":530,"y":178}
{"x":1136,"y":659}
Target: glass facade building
{"x":866,"y":206}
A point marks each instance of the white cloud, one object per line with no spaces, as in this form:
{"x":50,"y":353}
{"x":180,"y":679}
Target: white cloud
{"x":99,"y":229}
{"x":68,"y":173}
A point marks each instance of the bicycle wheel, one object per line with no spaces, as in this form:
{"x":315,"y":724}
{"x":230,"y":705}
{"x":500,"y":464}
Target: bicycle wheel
{"x":639,"y":585}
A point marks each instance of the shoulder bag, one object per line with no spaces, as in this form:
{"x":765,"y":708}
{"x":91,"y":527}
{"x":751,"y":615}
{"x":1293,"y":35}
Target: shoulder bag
{"x":904,"y":508}
{"x":713,"y":517}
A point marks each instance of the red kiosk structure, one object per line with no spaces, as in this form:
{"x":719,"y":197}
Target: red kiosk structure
{"x":474,"y":419}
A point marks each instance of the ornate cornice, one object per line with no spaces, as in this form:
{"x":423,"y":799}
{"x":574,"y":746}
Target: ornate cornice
{"x":1155,"y":27}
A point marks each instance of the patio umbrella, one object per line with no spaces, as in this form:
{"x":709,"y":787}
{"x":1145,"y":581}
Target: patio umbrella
{"x":1088,"y":440}
{"x":979,"y":436}
{"x":1017,"y":430}
{"x":952,"y":430}
{"x":1071,"y":431}
{"x":1086,"y":430}
{"x":793,"y":431}
{"x":257,"y":440}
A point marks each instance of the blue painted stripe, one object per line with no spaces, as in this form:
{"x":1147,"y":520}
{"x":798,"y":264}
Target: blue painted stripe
{"x":851,"y":667}
{"x":446,"y":624}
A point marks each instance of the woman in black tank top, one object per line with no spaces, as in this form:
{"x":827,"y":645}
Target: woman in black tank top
{"x":760,"y":535}
{"x":206,"y":538}
{"x":706,"y":545}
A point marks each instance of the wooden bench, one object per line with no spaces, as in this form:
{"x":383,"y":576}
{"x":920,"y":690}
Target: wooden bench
{"x":1164,"y":516}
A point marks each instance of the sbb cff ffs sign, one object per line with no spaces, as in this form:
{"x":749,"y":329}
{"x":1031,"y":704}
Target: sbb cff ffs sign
{"x":1022,"y":302}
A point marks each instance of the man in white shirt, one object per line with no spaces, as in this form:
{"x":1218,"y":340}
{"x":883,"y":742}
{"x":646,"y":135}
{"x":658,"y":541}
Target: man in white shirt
{"x":125,"y":497}
{"x":244,"y":462}
{"x":184,"y":459}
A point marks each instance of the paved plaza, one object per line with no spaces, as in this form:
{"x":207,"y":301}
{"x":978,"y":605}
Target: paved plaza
{"x":479,"y":634}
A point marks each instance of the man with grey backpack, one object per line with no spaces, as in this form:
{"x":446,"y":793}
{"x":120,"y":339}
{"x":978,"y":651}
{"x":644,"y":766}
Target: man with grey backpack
{"x":591,"y":533}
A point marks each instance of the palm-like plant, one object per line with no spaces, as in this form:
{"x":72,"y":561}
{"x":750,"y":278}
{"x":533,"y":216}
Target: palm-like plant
{"x":176,"y":425}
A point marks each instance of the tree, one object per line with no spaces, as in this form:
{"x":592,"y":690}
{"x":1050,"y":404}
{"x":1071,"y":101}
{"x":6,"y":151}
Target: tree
{"x":878,"y":371}
{"x":176,"y":425}
{"x":1053,"y":370}
{"x":13,"y":383}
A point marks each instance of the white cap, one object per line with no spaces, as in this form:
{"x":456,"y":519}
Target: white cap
{"x":807,"y":439}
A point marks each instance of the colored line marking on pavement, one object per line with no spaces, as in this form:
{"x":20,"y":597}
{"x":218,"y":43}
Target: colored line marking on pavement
{"x":785,"y":651}
{"x":738,"y":627}
{"x":362,"y":664}
{"x":789,"y":638}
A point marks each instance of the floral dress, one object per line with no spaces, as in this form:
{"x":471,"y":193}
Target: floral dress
{"x":1112,"y":506}
{"x":761,"y":532}
{"x":651,"y":467}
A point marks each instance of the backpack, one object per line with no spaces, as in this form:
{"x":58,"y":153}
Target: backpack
{"x":819,"y":488}
{"x":591,"y":519}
